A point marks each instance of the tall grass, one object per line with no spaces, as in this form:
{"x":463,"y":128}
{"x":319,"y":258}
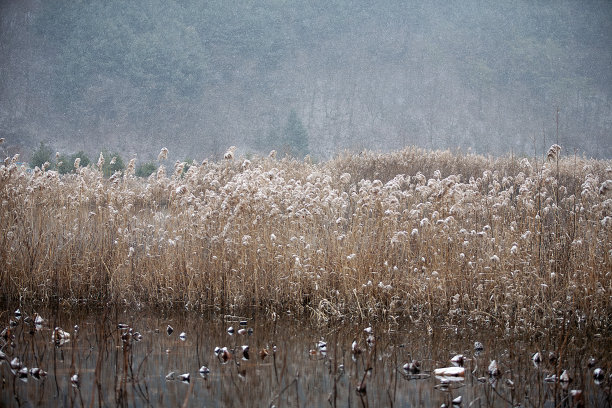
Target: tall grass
{"x":405,"y":235}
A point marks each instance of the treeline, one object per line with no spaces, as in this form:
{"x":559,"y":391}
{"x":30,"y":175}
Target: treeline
{"x":109,"y":163}
{"x":194,"y":76}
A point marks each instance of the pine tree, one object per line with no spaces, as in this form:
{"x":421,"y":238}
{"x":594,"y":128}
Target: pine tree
{"x":295,"y":136}
{"x":41,"y":155}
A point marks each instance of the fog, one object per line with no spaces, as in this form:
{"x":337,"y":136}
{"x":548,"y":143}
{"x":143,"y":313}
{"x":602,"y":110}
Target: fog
{"x":197,"y":77}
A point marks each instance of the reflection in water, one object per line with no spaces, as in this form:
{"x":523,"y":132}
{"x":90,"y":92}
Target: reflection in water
{"x":110,"y":358}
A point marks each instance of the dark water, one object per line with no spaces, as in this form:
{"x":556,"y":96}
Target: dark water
{"x":124,"y":372}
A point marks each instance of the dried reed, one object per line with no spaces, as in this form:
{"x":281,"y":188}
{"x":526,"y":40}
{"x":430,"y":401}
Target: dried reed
{"x":408,"y":234}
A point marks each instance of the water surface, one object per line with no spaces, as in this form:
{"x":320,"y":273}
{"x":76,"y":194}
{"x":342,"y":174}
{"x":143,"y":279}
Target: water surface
{"x":114,"y":369}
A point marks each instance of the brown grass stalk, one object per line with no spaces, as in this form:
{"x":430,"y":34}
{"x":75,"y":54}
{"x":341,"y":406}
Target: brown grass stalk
{"x":407,"y":234}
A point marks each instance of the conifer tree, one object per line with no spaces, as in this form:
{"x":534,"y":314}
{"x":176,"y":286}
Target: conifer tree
{"x":295,"y":136}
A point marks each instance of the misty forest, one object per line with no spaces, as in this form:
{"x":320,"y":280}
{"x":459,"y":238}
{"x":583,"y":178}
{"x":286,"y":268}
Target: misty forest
{"x":308,"y":203}
{"x":197,"y":77}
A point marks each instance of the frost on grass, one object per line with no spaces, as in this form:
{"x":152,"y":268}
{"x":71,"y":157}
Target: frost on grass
{"x":407,"y":234}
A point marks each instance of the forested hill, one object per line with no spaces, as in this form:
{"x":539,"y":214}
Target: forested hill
{"x":198,"y":76}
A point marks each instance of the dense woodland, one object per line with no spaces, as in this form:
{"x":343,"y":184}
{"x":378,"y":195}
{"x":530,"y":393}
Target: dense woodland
{"x":198,"y":76}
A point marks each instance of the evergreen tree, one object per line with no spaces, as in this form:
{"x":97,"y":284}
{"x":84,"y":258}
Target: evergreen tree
{"x":295,"y":136}
{"x":146,"y":169}
{"x":110,"y":166}
{"x":66,"y":163}
{"x":41,"y":155}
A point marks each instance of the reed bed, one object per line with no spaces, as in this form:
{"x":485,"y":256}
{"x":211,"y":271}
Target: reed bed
{"x":412,"y":234}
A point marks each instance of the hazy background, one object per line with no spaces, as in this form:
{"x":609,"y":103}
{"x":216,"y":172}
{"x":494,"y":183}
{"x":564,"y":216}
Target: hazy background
{"x":199,"y":76}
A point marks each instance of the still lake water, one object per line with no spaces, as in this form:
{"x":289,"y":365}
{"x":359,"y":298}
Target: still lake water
{"x":115,"y":371}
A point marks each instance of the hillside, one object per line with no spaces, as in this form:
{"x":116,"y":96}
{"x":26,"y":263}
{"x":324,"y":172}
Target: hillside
{"x":198,"y":77}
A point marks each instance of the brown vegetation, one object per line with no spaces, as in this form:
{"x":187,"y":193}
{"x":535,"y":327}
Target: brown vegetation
{"x":412,"y":234}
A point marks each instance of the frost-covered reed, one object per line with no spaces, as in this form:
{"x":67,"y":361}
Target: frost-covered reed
{"x":410,"y":234}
